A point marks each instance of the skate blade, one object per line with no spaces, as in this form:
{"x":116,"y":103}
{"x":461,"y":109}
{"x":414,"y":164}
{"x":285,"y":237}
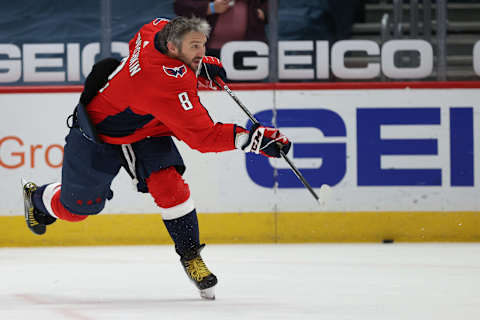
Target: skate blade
{"x":208,"y":294}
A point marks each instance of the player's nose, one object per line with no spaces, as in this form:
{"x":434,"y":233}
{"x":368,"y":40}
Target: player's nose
{"x":201,"y":51}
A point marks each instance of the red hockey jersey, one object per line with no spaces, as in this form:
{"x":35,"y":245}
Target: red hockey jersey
{"x":151,"y":94}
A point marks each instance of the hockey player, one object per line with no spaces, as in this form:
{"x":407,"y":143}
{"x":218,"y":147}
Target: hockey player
{"x":126,"y":117}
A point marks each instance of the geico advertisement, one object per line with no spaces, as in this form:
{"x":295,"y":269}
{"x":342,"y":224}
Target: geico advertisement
{"x":306,"y":60}
{"x":379,"y":150}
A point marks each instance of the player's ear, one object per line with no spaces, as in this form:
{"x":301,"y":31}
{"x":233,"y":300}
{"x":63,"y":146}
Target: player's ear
{"x":172,"y":47}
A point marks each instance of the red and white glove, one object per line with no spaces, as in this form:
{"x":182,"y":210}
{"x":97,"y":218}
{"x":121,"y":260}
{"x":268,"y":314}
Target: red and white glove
{"x":210,"y":68}
{"x":263,"y":140}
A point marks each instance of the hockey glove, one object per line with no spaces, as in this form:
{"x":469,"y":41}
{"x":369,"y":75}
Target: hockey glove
{"x":210,"y":68}
{"x":266,"y":141}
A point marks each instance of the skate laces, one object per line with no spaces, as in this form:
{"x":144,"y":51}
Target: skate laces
{"x":197,"y":269}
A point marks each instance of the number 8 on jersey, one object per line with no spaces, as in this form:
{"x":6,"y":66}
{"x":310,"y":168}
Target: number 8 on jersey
{"x":186,"y":104}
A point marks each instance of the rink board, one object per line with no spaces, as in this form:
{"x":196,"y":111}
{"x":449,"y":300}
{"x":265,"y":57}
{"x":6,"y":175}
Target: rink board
{"x":293,"y":227}
{"x":402,"y":162}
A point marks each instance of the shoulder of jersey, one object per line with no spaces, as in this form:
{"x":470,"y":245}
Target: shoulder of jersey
{"x":160,"y":22}
{"x":179,"y":74}
{"x":149,"y":30}
{"x":171,"y":70}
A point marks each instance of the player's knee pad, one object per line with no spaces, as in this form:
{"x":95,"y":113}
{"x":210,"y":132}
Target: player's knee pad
{"x":51,"y":199}
{"x":170,"y":192}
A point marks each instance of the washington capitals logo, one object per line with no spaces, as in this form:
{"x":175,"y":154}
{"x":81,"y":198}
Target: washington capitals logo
{"x":175,"y":72}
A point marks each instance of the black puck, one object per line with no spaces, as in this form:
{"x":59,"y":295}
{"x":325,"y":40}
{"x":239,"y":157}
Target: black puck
{"x":387,"y":240}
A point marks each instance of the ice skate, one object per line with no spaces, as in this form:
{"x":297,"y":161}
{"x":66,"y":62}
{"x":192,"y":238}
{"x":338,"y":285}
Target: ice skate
{"x":198,"y":272}
{"x":36,"y":227}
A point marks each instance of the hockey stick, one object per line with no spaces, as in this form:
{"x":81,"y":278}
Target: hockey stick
{"x":324,"y":187}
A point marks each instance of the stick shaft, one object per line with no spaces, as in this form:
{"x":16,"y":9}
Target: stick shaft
{"x":299,"y":175}
{"x":255,"y":121}
{"x":240,"y":104}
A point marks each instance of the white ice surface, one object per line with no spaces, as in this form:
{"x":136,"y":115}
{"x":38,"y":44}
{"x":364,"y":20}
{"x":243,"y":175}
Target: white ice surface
{"x":314,"y":281}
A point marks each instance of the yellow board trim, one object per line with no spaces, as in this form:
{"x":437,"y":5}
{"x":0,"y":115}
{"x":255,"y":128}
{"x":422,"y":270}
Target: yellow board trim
{"x":291,"y":227}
